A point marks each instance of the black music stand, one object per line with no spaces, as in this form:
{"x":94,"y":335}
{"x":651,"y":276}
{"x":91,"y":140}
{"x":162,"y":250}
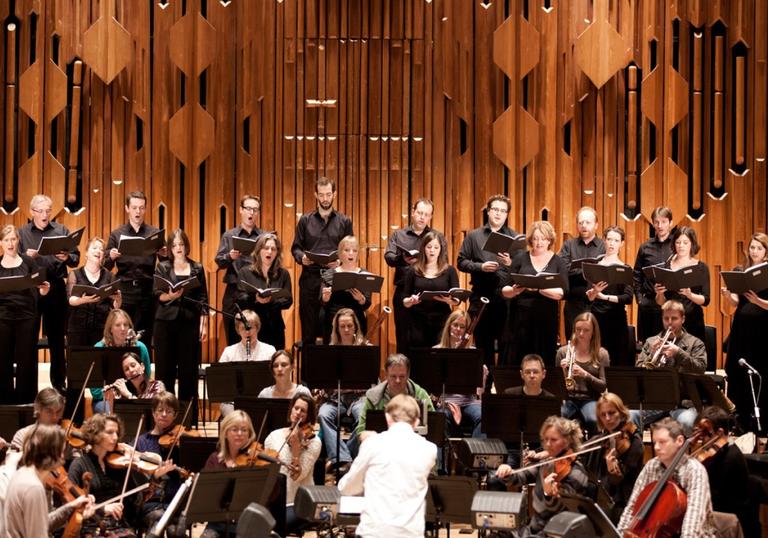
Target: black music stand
{"x":131,"y":411}
{"x":376,"y":420}
{"x":324,"y":367}
{"x":276,"y":410}
{"x":508,"y":417}
{"x":15,"y":417}
{"x":449,"y":500}
{"x":440,"y":371}
{"x":194,"y":451}
{"x":604,"y":527}
{"x":229,"y":380}
{"x":641,"y":388}
{"x":507,"y":377}
{"x":107,"y":368}
{"x":702,"y":390}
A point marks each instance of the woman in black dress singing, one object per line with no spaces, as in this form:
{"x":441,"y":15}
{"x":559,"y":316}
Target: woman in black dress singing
{"x":181,"y":321}
{"x":746,"y":340}
{"x":266,"y":272}
{"x":88,"y":313}
{"x":535,"y":313}
{"x":608,"y":303}
{"x":431,"y":272}
{"x":684,"y":248}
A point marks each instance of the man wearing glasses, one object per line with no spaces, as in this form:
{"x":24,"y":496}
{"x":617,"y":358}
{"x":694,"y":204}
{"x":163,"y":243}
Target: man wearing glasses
{"x":318,"y":231}
{"x":51,"y":308}
{"x":486,"y":270}
{"x":230,"y":259}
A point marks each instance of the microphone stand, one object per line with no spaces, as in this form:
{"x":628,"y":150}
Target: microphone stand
{"x":751,"y":373}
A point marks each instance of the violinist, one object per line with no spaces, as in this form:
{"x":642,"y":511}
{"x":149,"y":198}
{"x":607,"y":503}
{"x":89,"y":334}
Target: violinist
{"x":690,"y":475}
{"x":294,"y":444}
{"x":102,"y":433}
{"x":118,"y":332}
{"x":134,"y":383}
{"x":729,"y":479}
{"x":559,"y":436}
{"x":49,"y":408}
{"x":165,"y":408}
{"x":618,"y":465}
{"x":26,"y":505}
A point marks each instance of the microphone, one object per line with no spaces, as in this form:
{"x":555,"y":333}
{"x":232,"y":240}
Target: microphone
{"x":744,"y":364}
{"x":246,"y":325}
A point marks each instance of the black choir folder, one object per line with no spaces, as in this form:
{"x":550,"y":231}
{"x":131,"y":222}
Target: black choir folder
{"x":406,"y":252}
{"x":499,"y":242}
{"x":364,"y":282}
{"x":611,"y":274}
{"x":457,"y":293}
{"x":141,"y":246}
{"x":578,"y":263}
{"x":685,"y":277}
{"x":275,"y":293}
{"x":60,"y":243}
{"x":78,"y":290}
{"x":244,"y":245}
{"x":322,"y":259}
{"x":166,"y":286}
{"x":540,"y":281}
{"x":751,"y":279}
{"x":19,"y":283}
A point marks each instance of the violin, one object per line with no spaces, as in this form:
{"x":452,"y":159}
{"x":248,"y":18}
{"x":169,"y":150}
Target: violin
{"x":712,"y":441}
{"x":561,"y":467}
{"x":168,"y":439}
{"x":59,"y":482}
{"x":144,"y":462}
{"x":255,"y":455}
{"x":75,"y":436}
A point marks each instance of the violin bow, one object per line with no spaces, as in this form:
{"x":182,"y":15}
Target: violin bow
{"x":601,"y":438}
{"x":263,"y":422}
{"x":79,"y":398}
{"x":130,"y":461}
{"x":553,"y":460}
{"x":177,"y":438}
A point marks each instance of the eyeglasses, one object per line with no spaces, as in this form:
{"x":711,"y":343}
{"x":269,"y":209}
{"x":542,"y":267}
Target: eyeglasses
{"x":42,"y":211}
{"x":498,"y":210}
{"x":164,"y":411}
{"x":250,"y":208}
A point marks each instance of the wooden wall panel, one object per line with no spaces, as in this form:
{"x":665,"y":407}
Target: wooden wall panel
{"x":623,"y":105}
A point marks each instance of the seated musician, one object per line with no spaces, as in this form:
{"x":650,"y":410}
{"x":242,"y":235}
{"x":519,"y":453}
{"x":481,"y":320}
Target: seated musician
{"x":460,"y":408}
{"x":298,"y":445}
{"x":675,"y":348}
{"x":733,"y":490}
{"x":281,"y":364}
{"x":398,"y":369}
{"x":49,"y":407}
{"x":102,"y":433}
{"x":345,"y":331}
{"x":134,"y":383}
{"x":165,"y":408}
{"x":617,"y":466}
{"x":532,"y":372}
{"x":690,"y":475}
{"x":559,"y":436}
{"x":26,"y":511}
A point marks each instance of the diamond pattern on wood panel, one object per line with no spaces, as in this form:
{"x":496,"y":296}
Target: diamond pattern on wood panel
{"x":106,"y":44}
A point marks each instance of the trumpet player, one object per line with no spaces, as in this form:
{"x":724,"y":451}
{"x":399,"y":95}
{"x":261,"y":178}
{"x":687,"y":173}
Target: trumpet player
{"x":675,"y":348}
{"x":583,"y":361}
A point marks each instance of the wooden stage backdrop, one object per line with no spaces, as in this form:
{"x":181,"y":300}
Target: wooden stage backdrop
{"x":619,"y":104}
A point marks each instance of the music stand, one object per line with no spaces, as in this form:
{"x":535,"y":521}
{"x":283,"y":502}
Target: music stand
{"x":506,"y":377}
{"x":604,"y":527}
{"x":194,"y":451}
{"x":507,"y":416}
{"x":276,"y":410}
{"x":553,"y":382}
{"x":229,"y":380}
{"x":440,"y":371}
{"x":15,"y":417}
{"x":449,"y":500}
{"x":107,"y":367}
{"x":376,"y":421}
{"x":641,"y":388}
{"x":702,"y":390}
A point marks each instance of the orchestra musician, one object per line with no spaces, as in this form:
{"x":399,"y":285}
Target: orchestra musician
{"x":231,"y":260}
{"x":430,"y":272}
{"x":559,"y":437}
{"x":318,"y":231}
{"x":353,"y":299}
{"x":584,"y":361}
{"x":118,"y":332}
{"x":679,"y":350}
{"x":26,"y":508}
{"x":346,"y":329}
{"x":293,"y":444}
{"x":668,"y":438}
{"x":608,"y":303}
{"x":586,"y":245}
{"x":52,"y":307}
{"x":535,"y":313}
{"x":684,"y":248}
{"x":401,"y":241}
{"x":134,"y":384}
{"x":18,"y":312}
{"x":88,"y":313}
{"x":746,"y":339}
{"x":49,"y":409}
{"x":655,"y":251}
{"x":281,"y":364}
{"x":266,"y":272}
{"x":181,"y":320}
{"x":487,"y":271}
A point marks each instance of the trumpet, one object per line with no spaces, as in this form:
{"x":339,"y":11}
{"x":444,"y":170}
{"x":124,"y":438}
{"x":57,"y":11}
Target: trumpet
{"x":570,"y":356}
{"x":654,"y":361}
{"x":385,"y":311}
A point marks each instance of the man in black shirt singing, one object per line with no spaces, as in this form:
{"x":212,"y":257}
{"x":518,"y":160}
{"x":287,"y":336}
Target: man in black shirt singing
{"x":229,"y":258}
{"x":318,"y":231}
{"x":407,"y":239}
{"x":655,"y":251}
{"x":136,"y":273}
{"x":487,"y":269}
{"x":587,"y":245}
{"x":51,"y":308}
